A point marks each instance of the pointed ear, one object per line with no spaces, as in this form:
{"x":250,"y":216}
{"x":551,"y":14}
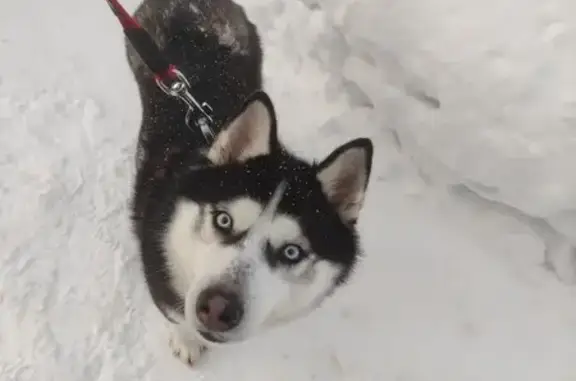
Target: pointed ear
{"x":344,"y":176}
{"x":251,"y":133}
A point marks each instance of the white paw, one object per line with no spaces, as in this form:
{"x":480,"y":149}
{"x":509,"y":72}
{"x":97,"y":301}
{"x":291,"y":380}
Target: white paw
{"x":185,"y":347}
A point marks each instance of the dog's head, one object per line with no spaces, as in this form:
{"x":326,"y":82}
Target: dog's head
{"x":260,"y":237}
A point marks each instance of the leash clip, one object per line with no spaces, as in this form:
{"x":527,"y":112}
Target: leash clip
{"x":180,"y":88}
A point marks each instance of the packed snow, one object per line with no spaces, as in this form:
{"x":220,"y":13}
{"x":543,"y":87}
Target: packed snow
{"x":471,"y":106}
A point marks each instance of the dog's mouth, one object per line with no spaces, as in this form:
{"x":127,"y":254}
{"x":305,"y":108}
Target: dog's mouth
{"x":212,"y":338}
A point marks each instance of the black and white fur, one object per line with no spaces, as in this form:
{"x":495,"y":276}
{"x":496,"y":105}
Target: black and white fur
{"x":242,"y":235}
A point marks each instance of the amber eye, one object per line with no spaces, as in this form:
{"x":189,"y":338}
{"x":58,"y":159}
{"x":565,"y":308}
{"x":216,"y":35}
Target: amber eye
{"x":292,"y":253}
{"x":223,"y":221}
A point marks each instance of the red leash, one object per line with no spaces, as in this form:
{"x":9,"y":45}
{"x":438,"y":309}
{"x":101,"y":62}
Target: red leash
{"x":127,"y":21}
{"x":167,"y":76}
{"x":143,"y":44}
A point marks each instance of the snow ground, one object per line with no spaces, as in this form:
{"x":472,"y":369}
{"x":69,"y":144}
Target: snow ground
{"x":462,"y":290}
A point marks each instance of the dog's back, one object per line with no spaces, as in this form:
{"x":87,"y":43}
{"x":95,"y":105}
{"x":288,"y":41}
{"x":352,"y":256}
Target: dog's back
{"x":215,"y":46}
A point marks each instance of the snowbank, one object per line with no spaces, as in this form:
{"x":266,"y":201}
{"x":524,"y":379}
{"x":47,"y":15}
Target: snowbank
{"x":483,"y":93}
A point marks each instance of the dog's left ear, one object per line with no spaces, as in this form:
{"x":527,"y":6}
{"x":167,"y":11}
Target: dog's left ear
{"x":251,"y":133}
{"x":344,"y":176}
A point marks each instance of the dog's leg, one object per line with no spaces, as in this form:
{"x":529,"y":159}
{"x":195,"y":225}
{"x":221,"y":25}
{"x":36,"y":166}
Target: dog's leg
{"x":185,"y":345}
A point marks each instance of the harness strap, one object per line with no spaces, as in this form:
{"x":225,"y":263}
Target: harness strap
{"x":168,"y":78}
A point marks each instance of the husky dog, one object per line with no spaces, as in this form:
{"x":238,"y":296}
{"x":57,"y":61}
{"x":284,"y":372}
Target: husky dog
{"x":240,"y":235}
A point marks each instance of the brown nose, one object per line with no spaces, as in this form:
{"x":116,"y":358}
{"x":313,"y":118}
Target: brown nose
{"x":219,"y":310}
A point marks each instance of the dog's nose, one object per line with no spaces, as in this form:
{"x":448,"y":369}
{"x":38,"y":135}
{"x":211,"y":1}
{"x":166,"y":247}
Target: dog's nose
{"x":219,"y":310}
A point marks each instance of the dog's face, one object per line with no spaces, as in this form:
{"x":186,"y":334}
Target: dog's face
{"x":260,"y":237}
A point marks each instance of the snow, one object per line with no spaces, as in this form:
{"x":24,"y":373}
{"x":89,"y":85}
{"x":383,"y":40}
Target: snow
{"x":484,"y":94}
{"x":470,"y":106}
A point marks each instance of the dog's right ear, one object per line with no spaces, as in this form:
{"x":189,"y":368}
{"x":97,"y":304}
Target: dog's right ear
{"x":251,"y":133}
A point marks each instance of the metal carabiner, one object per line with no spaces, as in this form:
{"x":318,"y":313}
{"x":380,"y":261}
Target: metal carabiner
{"x":180,"y":88}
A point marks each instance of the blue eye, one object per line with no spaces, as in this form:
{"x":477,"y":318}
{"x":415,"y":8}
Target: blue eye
{"x":292,"y":253}
{"x":222,"y":221}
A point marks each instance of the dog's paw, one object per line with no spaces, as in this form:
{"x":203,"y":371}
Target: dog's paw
{"x":187,"y":349}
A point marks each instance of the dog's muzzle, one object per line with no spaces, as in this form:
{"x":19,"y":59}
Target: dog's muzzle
{"x":219,"y":309}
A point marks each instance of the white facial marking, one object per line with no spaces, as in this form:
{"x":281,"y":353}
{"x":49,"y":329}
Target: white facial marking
{"x":181,"y":245}
{"x":288,"y":300}
{"x":285,"y":229}
{"x":197,"y":255}
{"x":189,"y":251}
{"x":281,"y":294}
{"x":244,"y":211}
